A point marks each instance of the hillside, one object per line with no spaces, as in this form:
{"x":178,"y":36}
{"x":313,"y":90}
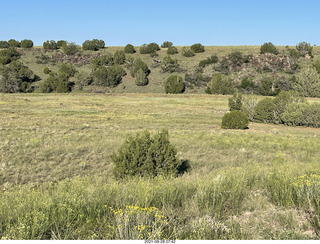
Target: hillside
{"x":37,"y":59}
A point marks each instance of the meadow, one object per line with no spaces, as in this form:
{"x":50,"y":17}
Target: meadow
{"x":57,"y":183}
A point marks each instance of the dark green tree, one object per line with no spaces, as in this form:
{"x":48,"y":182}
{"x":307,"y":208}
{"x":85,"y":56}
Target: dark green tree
{"x":174,"y":84}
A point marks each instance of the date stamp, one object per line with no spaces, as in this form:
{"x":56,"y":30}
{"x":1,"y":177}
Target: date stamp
{"x":159,"y":241}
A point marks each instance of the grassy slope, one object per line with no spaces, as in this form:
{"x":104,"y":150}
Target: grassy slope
{"x":233,"y":178}
{"x":156,"y":78}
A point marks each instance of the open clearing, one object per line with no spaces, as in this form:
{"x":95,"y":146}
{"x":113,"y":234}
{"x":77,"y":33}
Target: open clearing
{"x":68,"y":139}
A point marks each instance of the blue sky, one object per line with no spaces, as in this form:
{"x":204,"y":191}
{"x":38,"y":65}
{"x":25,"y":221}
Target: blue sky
{"x":183,"y":22}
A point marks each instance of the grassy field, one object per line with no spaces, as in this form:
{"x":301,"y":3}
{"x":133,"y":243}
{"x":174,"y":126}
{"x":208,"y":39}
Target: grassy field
{"x":56,"y":173}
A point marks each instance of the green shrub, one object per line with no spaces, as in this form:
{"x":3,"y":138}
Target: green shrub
{"x":268,"y":47}
{"x":50,"y":45}
{"x":67,"y":70}
{"x":307,"y":82}
{"x":187,"y":52}
{"x":141,"y":78}
{"x":264,"y":111}
{"x":166,"y":44}
{"x":294,"y":114}
{"x":220,"y":84}
{"x":267,"y":87}
{"x":93,"y":45}
{"x":235,"y":102}
{"x":70,"y":48}
{"x":211,"y":60}
{"x":129,"y":48}
{"x":108,"y":76}
{"x":26,"y":43}
{"x":135,"y":64}
{"x":106,"y":59}
{"x":316,"y":65}
{"x":282,"y":101}
{"x":119,"y":57}
{"x":248,"y":107}
{"x":149,"y":48}
{"x":311,"y":116}
{"x":294,"y":53}
{"x":4,"y":44}
{"x":13,"y":43}
{"x":61,"y":43}
{"x":169,"y":65}
{"x":174,"y":84}
{"x":154,"y":54}
{"x":46,"y":70}
{"x":197,"y":48}
{"x":236,"y":58}
{"x":247,"y":84}
{"x":143,"y":155}
{"x":9,"y":55}
{"x":81,"y":79}
{"x":304,"y":48}
{"x":172,"y":50}
{"x":235,"y":120}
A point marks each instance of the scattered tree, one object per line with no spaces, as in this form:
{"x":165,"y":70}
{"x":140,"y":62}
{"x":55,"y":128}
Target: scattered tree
{"x":197,"y":48}
{"x":174,"y":84}
{"x":26,"y":43}
{"x":235,"y":120}
{"x":129,"y":48}
{"x":268,"y":47}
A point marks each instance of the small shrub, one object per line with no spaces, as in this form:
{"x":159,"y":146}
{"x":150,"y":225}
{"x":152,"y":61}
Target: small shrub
{"x":108,"y":76}
{"x":135,"y":64}
{"x":172,"y":50}
{"x":9,"y":55}
{"x":169,"y":65}
{"x":119,"y":57}
{"x":93,"y":45}
{"x":294,"y":53}
{"x":236,"y":101}
{"x":247,"y":84}
{"x":264,"y":111}
{"x":197,"y":48}
{"x":316,"y":65}
{"x":46,"y":70}
{"x":220,"y":84}
{"x":174,"y":84}
{"x":236,"y":58}
{"x":154,"y":54}
{"x":304,"y":48}
{"x":61,"y":43}
{"x":149,"y":48}
{"x":267,"y":87}
{"x":13,"y":43}
{"x":129,"y":48}
{"x":248,"y":107}
{"x":106,"y":59}
{"x":294,"y":114}
{"x":70,"y":48}
{"x":311,"y":116}
{"x":166,"y":44}
{"x":67,"y":70}
{"x":235,"y":120}
{"x":268,"y":47}
{"x":307,"y":82}
{"x":282,"y":101}
{"x":26,"y":43}
{"x":141,"y":78}
{"x":50,"y":45}
{"x":4,"y":44}
{"x":187,"y":52}
{"x":211,"y":60}
{"x":143,"y":155}
{"x":82,"y":79}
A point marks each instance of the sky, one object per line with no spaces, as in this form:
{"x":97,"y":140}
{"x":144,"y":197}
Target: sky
{"x":183,"y":22}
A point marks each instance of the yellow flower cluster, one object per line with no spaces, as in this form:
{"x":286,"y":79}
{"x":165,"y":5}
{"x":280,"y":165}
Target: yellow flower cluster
{"x":307,"y":180}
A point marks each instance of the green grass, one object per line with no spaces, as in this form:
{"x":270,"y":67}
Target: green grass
{"x":56,"y":172}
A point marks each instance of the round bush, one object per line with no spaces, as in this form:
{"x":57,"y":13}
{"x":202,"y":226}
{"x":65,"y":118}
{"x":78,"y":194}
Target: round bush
{"x":129,"y":48}
{"x":235,"y":120}
{"x":166,"y":44}
{"x":26,"y":43}
{"x":172,"y":50}
{"x":174,"y":84}
{"x":46,"y":70}
{"x":141,"y":78}
{"x":268,"y":47}
{"x":197,"y":48}
{"x":143,"y":155}
{"x":264,"y":111}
